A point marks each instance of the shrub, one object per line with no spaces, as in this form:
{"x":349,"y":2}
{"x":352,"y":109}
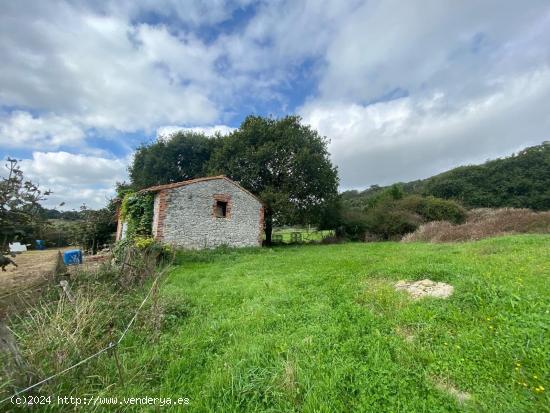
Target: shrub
{"x":389,"y":215}
{"x":143,"y":242}
{"x":434,"y":209}
{"x":393,"y":193}
{"x":354,"y":225}
{"x":388,"y":222}
{"x":332,"y":239}
{"x":138,"y":258}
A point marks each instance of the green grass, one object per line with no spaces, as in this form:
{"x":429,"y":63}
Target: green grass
{"x":321,"y":329}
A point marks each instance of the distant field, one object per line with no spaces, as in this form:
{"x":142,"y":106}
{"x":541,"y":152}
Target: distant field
{"x":321,"y":329}
{"x":305,"y":235}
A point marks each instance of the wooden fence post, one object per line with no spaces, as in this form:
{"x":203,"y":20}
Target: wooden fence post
{"x":65,"y":285}
{"x":114,"y":345}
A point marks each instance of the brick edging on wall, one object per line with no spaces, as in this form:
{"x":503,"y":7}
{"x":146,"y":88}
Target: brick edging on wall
{"x":118,"y":225}
{"x":223,"y":198}
{"x":159,"y":233}
{"x":261,"y":230}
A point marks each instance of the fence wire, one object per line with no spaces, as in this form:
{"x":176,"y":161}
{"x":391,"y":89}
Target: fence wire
{"x":111,"y":346}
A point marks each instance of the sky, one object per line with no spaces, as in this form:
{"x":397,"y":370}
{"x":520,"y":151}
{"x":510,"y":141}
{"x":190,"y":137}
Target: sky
{"x":403,"y":90}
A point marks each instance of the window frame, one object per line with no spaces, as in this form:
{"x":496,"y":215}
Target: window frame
{"x":225,"y":199}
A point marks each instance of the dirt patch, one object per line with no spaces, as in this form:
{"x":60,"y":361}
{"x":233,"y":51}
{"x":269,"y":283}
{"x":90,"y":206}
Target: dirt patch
{"x":446,"y":386}
{"x":425,"y":288}
{"x":406,"y":333}
{"x":33,"y":268}
{"x":289,"y":376}
{"x":19,"y":286}
{"x":36,"y":266}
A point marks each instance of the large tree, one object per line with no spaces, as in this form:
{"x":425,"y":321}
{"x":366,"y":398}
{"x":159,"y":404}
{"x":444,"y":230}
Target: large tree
{"x":20,"y":212}
{"x":285,"y":163}
{"x":180,"y":157}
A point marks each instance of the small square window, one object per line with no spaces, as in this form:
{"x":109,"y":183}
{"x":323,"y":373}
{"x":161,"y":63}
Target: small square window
{"x":221,"y":209}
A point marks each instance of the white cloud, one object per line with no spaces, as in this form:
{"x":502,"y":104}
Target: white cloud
{"x":475,"y":76}
{"x":100,"y":71}
{"x":96,"y":66}
{"x":284,"y":33}
{"x":74,"y":178}
{"x":165,"y":132}
{"x":410,"y":138}
{"x":21,"y":129}
{"x":421,"y":46}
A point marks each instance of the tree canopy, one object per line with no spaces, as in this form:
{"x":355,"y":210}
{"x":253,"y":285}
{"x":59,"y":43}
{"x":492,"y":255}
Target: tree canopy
{"x":181,"y":157}
{"x":283,"y":162}
{"x":519,"y":181}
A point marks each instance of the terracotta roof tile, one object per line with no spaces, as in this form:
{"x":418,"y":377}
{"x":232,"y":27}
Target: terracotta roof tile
{"x":157,"y":188}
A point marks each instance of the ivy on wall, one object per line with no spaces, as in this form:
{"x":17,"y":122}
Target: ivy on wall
{"x":137,"y":211}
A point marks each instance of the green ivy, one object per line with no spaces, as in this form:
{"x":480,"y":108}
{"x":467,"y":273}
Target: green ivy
{"x":137,"y":211}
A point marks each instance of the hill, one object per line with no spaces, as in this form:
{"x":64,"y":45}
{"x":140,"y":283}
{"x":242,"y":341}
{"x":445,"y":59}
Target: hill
{"x":521,"y":180}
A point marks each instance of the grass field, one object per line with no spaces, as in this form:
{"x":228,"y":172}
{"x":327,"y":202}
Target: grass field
{"x":321,"y":329}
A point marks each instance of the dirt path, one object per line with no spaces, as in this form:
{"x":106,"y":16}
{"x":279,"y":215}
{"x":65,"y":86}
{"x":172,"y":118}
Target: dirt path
{"x":33,"y":267}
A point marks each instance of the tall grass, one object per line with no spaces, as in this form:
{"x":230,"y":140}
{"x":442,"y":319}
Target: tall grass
{"x":484,"y":223}
{"x":54,"y":331}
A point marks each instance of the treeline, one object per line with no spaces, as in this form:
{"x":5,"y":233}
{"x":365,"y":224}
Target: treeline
{"x":24,"y":219}
{"x":521,"y":180}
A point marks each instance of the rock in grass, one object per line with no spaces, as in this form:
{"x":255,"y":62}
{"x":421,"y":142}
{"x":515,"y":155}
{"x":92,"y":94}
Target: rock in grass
{"x":425,"y":288}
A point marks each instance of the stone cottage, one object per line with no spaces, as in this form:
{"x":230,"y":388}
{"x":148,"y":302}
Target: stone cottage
{"x":205,"y":213}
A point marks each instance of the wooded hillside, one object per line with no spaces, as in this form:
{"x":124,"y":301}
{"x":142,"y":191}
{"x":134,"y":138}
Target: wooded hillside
{"x":521,"y":180}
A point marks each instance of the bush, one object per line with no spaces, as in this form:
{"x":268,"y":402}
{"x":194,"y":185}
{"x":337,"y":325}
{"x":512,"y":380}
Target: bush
{"x":390,"y":216}
{"x":332,"y":239}
{"x":434,"y":209}
{"x":138,"y":258}
{"x":353,"y":226}
{"x":61,"y":233}
{"x":393,"y":193}
{"x":143,"y":242}
{"x":388,"y":222}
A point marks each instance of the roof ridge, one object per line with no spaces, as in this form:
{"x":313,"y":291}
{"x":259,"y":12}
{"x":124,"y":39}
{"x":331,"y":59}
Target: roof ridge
{"x":173,"y":185}
{"x":156,"y":188}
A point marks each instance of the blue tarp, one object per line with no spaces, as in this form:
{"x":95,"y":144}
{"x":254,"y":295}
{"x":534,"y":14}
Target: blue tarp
{"x":72,"y":257}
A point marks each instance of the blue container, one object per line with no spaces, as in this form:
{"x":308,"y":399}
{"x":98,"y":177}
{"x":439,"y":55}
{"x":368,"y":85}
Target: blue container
{"x":72,"y":257}
{"x":40,"y":244}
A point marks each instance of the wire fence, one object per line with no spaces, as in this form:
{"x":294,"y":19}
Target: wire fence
{"x":111,"y":346}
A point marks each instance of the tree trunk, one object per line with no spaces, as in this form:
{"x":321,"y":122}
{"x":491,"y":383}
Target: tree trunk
{"x":268,"y":219}
{"x":4,"y":246}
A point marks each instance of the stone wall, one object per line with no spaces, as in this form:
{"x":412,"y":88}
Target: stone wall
{"x":186,"y":216}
